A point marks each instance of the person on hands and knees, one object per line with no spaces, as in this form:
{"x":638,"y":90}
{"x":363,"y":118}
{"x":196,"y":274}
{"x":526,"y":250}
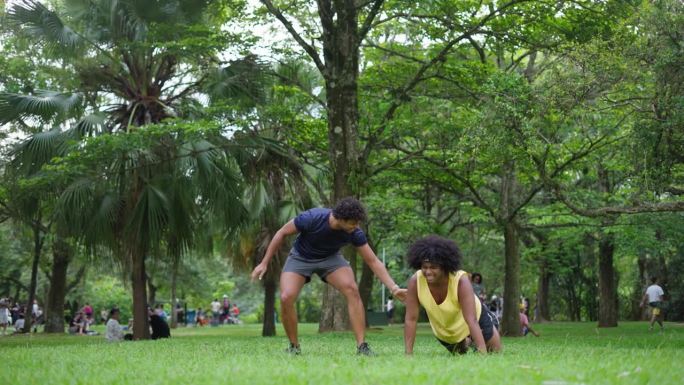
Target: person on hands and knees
{"x":322,"y":232}
{"x":456,"y":314}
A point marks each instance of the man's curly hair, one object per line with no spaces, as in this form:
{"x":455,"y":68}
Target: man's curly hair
{"x":437,"y":250}
{"x":349,"y":209}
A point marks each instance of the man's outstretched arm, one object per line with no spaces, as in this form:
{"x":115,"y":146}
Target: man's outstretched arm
{"x":380,"y":271}
{"x":288,"y":229}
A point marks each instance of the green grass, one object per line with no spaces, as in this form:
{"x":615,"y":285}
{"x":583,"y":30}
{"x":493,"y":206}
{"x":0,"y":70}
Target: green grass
{"x":565,"y":354}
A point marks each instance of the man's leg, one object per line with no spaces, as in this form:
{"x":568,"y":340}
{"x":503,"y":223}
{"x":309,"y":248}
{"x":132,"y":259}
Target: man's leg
{"x":290,"y":286}
{"x":342,"y":279}
{"x":659,"y":318}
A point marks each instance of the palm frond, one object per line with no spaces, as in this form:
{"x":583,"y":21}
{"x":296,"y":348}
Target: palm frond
{"x":89,"y":125}
{"x":256,"y":198}
{"x":75,"y":201}
{"x":242,"y":80}
{"x":150,"y":215}
{"x":43,"y":24}
{"x":300,"y":74}
{"x":31,"y":154}
{"x":44,"y":105}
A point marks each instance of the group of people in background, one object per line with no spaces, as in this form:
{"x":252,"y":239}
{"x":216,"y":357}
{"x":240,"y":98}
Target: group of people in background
{"x":496,"y":305}
{"x":222,"y":312}
{"x":81,"y":322}
{"x":13,"y":315}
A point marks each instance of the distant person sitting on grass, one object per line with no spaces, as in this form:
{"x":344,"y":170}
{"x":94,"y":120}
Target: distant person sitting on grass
{"x":525,"y":322}
{"x":78,"y":324}
{"x":114,"y":331}
{"x":19,"y":324}
{"x":456,"y":315}
{"x":654,"y":298}
{"x":322,"y":233}
{"x":160,"y":329}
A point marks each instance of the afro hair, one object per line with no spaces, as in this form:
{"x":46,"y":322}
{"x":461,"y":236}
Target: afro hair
{"x":437,"y":250}
{"x":349,"y":209}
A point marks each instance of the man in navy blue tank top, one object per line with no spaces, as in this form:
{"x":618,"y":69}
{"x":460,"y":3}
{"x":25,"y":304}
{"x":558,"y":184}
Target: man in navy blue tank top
{"x":322,"y":233}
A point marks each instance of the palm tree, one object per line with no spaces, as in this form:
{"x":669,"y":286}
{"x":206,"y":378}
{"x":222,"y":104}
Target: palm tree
{"x":139,"y":64}
{"x":275,"y":195}
{"x":34,"y":206}
{"x":278,"y":187}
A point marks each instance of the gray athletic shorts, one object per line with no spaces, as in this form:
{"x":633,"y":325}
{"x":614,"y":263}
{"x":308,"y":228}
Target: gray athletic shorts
{"x":306,"y":267}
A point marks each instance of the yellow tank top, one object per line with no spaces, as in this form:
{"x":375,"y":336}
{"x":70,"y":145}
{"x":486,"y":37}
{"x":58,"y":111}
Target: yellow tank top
{"x":446,"y":318}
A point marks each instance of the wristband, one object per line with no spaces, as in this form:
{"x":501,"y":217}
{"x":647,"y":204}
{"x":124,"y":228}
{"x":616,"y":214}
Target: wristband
{"x":394,"y":288}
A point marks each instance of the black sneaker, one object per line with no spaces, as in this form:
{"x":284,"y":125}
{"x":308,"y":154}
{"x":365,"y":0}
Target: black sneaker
{"x":294,"y":349}
{"x":364,"y":350}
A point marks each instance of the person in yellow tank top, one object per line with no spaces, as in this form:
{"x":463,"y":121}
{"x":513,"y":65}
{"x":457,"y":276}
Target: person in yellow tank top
{"x":455,"y":313}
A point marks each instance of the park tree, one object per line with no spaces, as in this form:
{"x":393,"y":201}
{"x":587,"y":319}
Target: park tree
{"x":496,"y":123}
{"x":280,"y":185}
{"x":641,"y":174}
{"x":138,"y":65}
{"x":332,"y":34}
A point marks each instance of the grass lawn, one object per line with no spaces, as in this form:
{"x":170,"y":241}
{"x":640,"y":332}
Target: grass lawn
{"x":566,"y":353}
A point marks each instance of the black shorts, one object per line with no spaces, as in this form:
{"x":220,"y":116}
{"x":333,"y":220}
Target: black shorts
{"x":488,"y":322}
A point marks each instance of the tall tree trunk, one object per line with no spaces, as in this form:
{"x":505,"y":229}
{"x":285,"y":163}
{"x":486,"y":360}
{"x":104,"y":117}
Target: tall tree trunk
{"x":141,"y":326}
{"x":366,"y":286}
{"x":608,"y":300}
{"x":270,"y":285}
{"x":38,"y":239}
{"x":151,"y":291}
{"x":54,"y":306}
{"x":637,"y":312}
{"x":510,"y":325}
{"x":334,"y":312}
{"x":366,"y":280}
{"x":543,"y":314}
{"x":341,"y":54}
{"x":174,"y":300}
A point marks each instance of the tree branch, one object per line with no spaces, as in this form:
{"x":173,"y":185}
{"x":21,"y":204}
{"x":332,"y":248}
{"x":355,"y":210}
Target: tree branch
{"x":309,"y":49}
{"x":402,"y":96}
{"x":368,"y":23}
{"x":77,"y":279}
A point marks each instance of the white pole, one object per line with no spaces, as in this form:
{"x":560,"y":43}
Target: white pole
{"x":383,"y":286}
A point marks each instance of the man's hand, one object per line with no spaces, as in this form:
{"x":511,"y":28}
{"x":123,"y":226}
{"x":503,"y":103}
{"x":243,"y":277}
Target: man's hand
{"x":259,"y":271}
{"x":399,"y":294}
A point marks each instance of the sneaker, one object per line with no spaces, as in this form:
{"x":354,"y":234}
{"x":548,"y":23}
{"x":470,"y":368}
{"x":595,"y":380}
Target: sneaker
{"x":293,"y":349}
{"x":364,"y":350}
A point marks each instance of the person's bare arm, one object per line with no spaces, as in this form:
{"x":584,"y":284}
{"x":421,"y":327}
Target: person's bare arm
{"x":411,"y":319}
{"x":288,"y":229}
{"x":380,"y":271}
{"x":466,"y":298}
